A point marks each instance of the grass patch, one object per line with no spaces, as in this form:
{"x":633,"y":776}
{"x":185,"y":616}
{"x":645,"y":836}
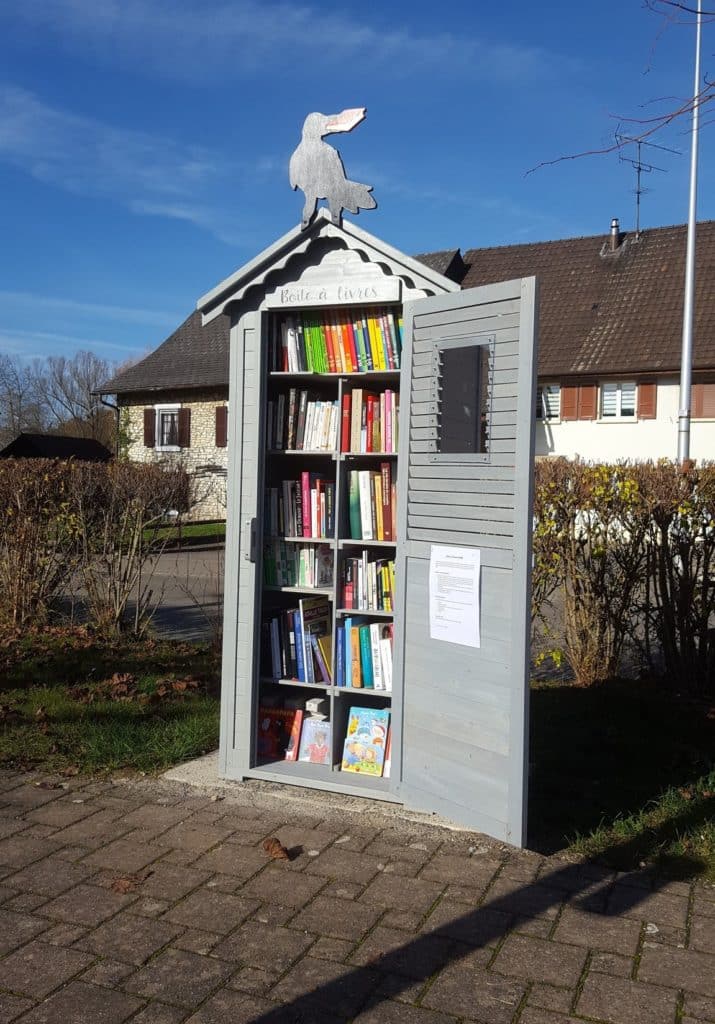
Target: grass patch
{"x":624,"y":773}
{"x":70,"y":702}
{"x":209,"y":533}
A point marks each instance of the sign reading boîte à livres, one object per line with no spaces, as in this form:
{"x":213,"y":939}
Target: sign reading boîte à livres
{"x":336,"y":292}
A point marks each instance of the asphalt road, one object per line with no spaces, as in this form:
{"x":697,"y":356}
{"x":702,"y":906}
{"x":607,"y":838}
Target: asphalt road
{"x":190,"y":586}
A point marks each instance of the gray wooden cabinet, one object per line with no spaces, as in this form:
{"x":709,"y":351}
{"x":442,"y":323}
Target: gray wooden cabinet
{"x":464,"y":470}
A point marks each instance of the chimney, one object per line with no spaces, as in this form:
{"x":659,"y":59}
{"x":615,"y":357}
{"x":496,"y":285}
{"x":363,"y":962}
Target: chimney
{"x":615,"y":236}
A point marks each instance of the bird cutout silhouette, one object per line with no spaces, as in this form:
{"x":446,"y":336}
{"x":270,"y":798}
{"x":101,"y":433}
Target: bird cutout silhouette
{"x":318,"y":170}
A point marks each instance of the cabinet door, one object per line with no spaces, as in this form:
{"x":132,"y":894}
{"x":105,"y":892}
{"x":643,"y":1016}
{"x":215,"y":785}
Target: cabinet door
{"x":465,"y":482}
{"x":242,"y":534}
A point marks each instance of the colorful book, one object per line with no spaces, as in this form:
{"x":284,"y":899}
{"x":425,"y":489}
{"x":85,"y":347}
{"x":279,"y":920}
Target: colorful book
{"x":366,"y":740}
{"x":322,"y":666}
{"x":278,"y":733}
{"x":316,"y":741}
{"x":340,"y":657}
{"x":368,"y":678}
{"x":315,"y":618}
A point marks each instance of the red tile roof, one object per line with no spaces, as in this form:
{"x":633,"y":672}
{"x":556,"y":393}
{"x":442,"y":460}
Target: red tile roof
{"x":600,"y":312}
{"x":611,"y":313}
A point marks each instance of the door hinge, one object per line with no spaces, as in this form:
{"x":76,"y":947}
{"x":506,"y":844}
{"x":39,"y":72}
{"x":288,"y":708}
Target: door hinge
{"x":251,"y":539}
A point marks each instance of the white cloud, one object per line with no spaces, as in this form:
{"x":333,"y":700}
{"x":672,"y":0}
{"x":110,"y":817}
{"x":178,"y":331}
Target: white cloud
{"x":183,"y":39}
{"x":86,"y":156}
{"x":29,"y":303}
{"x":147,"y":174}
{"x":33,"y":344}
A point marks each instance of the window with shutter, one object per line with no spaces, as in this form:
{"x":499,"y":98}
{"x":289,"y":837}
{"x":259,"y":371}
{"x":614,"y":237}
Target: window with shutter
{"x":703,"y":401}
{"x":618,"y":400}
{"x":166,"y":428}
{"x":149,"y":428}
{"x":548,"y":402}
{"x":587,"y":401}
{"x":221,"y":426}
{"x":569,"y":402}
{"x":647,"y":397}
{"x":184,"y":418}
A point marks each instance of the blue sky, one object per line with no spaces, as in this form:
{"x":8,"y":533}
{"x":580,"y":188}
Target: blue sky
{"x":144,"y":144}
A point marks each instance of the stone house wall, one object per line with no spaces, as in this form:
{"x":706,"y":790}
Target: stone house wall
{"x":204,"y":461}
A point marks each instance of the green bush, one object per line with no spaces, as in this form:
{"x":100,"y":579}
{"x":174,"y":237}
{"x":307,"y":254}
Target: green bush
{"x":630,"y":550}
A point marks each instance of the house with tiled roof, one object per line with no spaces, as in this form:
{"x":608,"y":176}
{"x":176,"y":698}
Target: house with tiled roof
{"x":610,"y":325}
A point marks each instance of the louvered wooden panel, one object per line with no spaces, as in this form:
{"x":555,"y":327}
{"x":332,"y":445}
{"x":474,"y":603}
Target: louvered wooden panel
{"x":470,"y":763}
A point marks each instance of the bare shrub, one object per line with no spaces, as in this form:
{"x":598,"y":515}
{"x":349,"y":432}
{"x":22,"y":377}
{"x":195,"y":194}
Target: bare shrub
{"x":38,"y":538}
{"x":120,"y":509}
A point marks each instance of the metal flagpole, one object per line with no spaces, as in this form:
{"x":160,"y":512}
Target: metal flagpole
{"x":686,"y":357}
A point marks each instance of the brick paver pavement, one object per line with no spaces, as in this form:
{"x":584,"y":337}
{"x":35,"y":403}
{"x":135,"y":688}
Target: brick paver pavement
{"x":145,"y":901}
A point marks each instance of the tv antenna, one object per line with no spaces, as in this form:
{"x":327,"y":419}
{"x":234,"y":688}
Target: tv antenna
{"x":640,"y":168}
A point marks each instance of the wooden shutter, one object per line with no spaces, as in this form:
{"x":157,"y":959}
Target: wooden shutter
{"x":702,"y":401}
{"x":569,"y":402}
{"x":464,"y":746}
{"x":587,"y":402}
{"x":149,"y":428}
{"x":647,"y":401}
{"x":221,"y":426}
{"x":184,"y":428}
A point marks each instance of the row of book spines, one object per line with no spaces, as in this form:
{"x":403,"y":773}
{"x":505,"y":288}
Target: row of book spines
{"x":368,"y":422}
{"x":310,"y":425}
{"x":368,"y":586}
{"x":342,"y":342}
{"x":372,"y":504}
{"x":291,"y":657}
{"x":363,"y":656}
{"x":287,"y":565}
{"x":302,"y":508}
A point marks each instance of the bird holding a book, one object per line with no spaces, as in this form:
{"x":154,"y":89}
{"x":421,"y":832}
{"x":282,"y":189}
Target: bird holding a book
{"x":317,"y":169}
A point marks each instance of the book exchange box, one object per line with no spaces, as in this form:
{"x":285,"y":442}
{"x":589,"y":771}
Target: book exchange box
{"x":378,"y":553}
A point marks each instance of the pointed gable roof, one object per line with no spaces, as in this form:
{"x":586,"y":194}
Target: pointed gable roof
{"x":194,"y":356}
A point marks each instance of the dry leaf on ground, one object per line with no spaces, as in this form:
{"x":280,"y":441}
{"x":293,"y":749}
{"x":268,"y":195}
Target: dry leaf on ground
{"x":275,"y":849}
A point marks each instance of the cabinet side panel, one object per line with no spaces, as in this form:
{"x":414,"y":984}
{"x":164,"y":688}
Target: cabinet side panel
{"x":240,"y":575}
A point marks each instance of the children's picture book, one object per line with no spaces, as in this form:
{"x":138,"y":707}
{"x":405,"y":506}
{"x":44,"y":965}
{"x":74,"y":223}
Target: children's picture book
{"x":278,"y":733}
{"x":365,"y":741}
{"x":316,"y":741}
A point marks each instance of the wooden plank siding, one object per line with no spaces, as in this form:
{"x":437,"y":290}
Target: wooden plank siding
{"x":464,"y":722}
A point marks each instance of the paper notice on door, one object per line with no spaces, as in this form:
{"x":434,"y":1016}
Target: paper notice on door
{"x":454,"y":595}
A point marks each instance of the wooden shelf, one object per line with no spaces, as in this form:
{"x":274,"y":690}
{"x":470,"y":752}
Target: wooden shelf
{"x":328,"y":453}
{"x":367,"y":455}
{"x":280,"y":463}
{"x":376,"y":375}
{"x":362,"y":691}
{"x":350,"y":542}
{"x":324,"y":687}
{"x":318,"y":591}
{"x":304,"y":540}
{"x":377,"y":613}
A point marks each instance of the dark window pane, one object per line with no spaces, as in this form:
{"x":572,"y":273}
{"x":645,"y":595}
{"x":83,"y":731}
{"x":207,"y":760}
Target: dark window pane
{"x":169,"y":429}
{"x":463,"y":382}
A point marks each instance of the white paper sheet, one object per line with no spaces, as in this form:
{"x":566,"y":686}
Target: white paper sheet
{"x":454,"y":595}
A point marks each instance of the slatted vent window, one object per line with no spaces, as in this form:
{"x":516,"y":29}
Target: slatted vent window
{"x":618,"y":401}
{"x":462,"y":371}
{"x":548,"y":402}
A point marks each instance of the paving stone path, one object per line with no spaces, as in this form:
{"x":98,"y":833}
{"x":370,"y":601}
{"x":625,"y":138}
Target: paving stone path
{"x":143,"y":901}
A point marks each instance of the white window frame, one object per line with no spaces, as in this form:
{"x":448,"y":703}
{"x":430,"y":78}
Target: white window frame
{"x":618,"y":416}
{"x":541,"y":408}
{"x":158,"y":410}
